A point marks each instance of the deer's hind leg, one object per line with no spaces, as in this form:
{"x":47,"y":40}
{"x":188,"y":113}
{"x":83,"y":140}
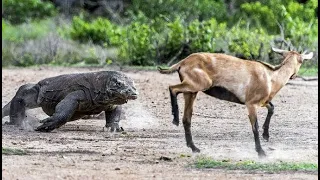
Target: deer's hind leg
{"x":188,"y":109}
{"x":252,"y":109}
{"x":266,"y":124}
{"x":192,"y":82}
{"x":6,"y":110}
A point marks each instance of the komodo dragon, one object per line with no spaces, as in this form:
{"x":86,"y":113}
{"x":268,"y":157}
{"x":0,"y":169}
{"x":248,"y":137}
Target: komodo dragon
{"x":69,"y":97}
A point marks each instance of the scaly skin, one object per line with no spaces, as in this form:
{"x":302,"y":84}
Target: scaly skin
{"x":70,"y":97}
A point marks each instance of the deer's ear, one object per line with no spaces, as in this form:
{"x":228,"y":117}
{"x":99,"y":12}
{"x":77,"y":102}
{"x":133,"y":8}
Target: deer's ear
{"x":307,"y":56}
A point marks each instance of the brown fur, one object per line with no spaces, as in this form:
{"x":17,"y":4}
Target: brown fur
{"x":249,"y":82}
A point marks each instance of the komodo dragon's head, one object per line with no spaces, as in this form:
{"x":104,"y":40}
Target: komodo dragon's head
{"x":122,"y":87}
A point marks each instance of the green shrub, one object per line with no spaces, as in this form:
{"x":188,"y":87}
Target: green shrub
{"x":26,"y":31}
{"x":100,"y":31}
{"x":303,"y":35}
{"x":203,"y":36}
{"x":7,"y":57}
{"x":52,"y":49}
{"x":17,"y":11}
{"x":170,"y":41}
{"x":261,"y":15}
{"x":161,"y":35}
{"x":171,"y":9}
{"x":92,"y":58}
{"x":249,"y":43}
{"x":176,"y":35}
{"x":137,"y":47}
{"x":300,"y":24}
{"x":286,"y":12}
{"x":149,"y":44}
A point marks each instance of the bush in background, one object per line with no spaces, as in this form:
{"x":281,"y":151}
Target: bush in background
{"x":137,"y":47}
{"x":17,"y":11}
{"x":249,"y":43}
{"x":171,"y":9}
{"x":204,"y":36}
{"x":153,"y":33}
{"x":54,"y":50}
{"x":26,"y":31}
{"x":268,"y":14}
{"x":99,"y":31}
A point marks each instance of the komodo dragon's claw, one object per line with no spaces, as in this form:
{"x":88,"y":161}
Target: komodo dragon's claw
{"x":46,"y":127}
{"x":114,"y":127}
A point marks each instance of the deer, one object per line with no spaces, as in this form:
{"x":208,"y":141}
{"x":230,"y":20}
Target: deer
{"x":247,"y":82}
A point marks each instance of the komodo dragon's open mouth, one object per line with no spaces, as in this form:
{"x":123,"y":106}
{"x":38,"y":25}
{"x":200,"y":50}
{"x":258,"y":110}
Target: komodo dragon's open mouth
{"x":132,"y":97}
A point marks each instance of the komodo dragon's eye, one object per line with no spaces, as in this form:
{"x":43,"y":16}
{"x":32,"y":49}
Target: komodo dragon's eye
{"x":117,"y":83}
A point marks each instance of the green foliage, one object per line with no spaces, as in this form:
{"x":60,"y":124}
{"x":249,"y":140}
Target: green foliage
{"x":252,"y":165}
{"x":250,"y":38}
{"x":53,"y":50}
{"x":92,"y":58}
{"x":176,"y":35}
{"x":149,"y":44}
{"x":288,"y":13}
{"x":170,"y":40}
{"x":25,"y":60}
{"x":15,"y":51}
{"x":303,"y":34}
{"x":309,"y":71}
{"x":300,"y":24}
{"x":171,"y":9}
{"x":137,"y":47}
{"x":17,"y":11}
{"x":248,"y":43}
{"x":159,"y":32}
{"x":7,"y":57}
{"x":261,"y":15}
{"x":293,"y":10}
{"x":98,"y":31}
{"x":26,"y":31}
{"x":203,"y":36}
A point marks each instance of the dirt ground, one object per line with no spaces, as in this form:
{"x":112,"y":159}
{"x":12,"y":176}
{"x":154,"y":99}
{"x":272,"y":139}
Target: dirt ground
{"x":82,"y":150}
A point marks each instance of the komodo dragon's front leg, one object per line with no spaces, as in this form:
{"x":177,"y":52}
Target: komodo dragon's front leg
{"x":112,"y":116}
{"x":63,"y":112}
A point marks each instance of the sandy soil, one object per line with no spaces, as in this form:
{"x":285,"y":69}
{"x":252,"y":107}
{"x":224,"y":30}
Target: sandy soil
{"x":82,"y":150}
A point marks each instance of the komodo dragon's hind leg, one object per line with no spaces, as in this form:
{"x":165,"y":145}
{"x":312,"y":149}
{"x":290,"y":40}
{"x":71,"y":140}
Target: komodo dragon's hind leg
{"x":6,"y":110}
{"x":63,"y":112}
{"x":25,"y":98}
{"x":113,"y":118}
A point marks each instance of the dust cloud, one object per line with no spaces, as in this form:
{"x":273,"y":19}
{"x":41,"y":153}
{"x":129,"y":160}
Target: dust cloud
{"x":30,"y":122}
{"x":138,"y":117}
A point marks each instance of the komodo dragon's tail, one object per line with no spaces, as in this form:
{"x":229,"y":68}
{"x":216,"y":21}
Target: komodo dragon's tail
{"x":169,"y":70}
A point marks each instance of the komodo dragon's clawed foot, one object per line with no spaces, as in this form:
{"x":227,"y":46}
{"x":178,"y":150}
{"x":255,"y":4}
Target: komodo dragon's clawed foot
{"x":47,"y":120}
{"x":8,"y":123}
{"x":47,"y":126}
{"x":119,"y":129}
{"x":44,"y":128}
{"x":114,"y":127}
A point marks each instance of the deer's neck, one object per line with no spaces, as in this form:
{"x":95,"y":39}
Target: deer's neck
{"x":281,"y":76}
